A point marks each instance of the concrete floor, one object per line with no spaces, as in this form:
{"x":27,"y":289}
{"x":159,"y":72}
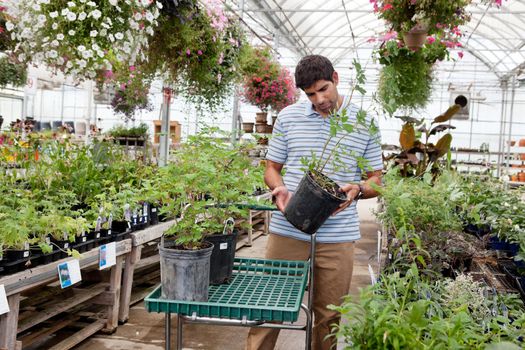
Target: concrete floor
{"x":145,"y":331}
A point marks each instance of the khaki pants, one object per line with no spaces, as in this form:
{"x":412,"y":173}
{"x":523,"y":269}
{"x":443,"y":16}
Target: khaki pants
{"x":332,"y":277}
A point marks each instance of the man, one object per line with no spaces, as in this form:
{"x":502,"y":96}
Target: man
{"x":300,"y":129}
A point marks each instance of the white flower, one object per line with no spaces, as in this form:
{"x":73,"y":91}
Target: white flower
{"x":134,"y":25}
{"x":82,"y":16}
{"x":105,"y":25}
{"x":71,"y":16}
{"x":71,"y":4}
{"x":119,"y":36}
{"x":111,"y":37}
{"x":54,"y":26}
{"x":41,"y":18}
{"x":121,"y":20}
{"x":93,"y":33}
{"x":55,"y":43}
{"x":81,"y":48}
{"x":53,"y":14}
{"x":52,"y":54}
{"x":103,"y":32}
{"x":100,"y":53}
{"x":95,"y":47}
{"x":36,"y":7}
{"x":71,"y":32}
{"x":21,"y":57}
{"x":64,"y":12}
{"x":149,"y":31}
{"x":159,"y":5}
{"x":120,"y":57}
{"x":69,"y":64}
{"x":95,"y":14}
{"x":87,"y":54}
{"x":149,"y":17}
{"x":113,"y":2}
{"x":46,"y":39}
{"x":92,"y":4}
{"x":9,"y":26}
{"x":60,"y":36}
{"x":82,"y":63}
{"x":60,"y":61}
{"x":138,"y":16}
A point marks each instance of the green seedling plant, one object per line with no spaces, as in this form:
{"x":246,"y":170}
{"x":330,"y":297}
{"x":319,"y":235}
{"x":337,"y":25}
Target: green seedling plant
{"x":342,"y":126}
{"x":207,"y":181}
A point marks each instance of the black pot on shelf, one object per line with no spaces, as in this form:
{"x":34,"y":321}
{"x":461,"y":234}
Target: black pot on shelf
{"x":120,"y":226}
{"x":222,"y":257}
{"x":311,"y":205}
{"x":153,"y":215}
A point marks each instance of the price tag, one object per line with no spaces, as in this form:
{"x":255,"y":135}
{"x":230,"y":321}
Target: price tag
{"x":69,"y":273}
{"x":4,"y":306}
{"x":107,"y":255}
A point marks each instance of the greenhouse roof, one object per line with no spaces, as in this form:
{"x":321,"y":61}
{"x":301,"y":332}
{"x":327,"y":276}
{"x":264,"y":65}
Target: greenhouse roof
{"x":343,"y":30}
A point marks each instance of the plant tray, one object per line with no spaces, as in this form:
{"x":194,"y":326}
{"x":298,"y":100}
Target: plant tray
{"x":262,"y":290}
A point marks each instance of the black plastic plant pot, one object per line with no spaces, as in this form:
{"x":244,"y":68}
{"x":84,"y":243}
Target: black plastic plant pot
{"x":120,"y":226}
{"x":222,"y":256}
{"x":153,"y":215}
{"x":16,"y":254}
{"x":311,"y":205}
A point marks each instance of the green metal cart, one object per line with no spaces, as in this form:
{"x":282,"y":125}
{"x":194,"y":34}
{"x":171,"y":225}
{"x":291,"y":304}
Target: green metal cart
{"x":263,"y":293}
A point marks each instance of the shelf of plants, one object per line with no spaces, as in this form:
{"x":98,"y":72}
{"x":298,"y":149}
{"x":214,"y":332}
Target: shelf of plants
{"x":453,"y":267}
{"x":60,"y":198}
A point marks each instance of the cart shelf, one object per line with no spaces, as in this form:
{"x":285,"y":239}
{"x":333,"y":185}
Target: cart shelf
{"x":262,"y":290}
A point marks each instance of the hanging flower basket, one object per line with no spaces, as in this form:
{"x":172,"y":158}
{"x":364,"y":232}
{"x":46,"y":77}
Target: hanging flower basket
{"x":81,"y":38}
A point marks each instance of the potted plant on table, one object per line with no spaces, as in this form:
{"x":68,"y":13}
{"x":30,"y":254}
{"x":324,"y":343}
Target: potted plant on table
{"x":212,"y":179}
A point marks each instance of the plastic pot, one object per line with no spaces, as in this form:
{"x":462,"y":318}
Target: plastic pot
{"x":222,"y":257}
{"x":311,"y":205}
{"x":184,"y":274}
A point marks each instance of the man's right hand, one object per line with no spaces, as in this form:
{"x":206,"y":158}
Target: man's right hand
{"x":281,"y":196}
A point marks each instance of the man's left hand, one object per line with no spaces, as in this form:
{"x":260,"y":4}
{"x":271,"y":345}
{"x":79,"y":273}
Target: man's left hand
{"x":351,"y":190}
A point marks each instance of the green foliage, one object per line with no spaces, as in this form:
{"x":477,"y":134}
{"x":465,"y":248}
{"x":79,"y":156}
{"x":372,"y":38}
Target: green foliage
{"x":418,"y":154}
{"x":407,"y":312}
{"x":405,"y":80}
{"x":122,"y":131}
{"x":211,"y":178}
{"x":14,"y":74}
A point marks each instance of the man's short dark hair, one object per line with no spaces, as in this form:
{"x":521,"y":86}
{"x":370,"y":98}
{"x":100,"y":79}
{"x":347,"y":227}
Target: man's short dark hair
{"x":311,"y":69}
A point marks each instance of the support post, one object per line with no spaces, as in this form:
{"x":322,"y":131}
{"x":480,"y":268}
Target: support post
{"x":9,"y":323}
{"x":165,"y":127}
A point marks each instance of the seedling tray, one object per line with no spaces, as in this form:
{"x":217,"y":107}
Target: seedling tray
{"x":262,"y":290}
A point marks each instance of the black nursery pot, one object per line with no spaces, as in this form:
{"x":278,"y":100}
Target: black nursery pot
{"x":222,"y":257}
{"x":311,"y":205}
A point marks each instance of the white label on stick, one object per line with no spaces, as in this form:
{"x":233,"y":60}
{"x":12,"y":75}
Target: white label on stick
{"x":223,"y":246}
{"x":4,"y":306}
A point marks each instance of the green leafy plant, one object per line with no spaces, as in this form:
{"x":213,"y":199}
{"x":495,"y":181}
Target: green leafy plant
{"x":122,"y":131}
{"x":418,"y":154}
{"x":212,"y":178}
{"x":14,"y":74}
{"x":341,"y":127}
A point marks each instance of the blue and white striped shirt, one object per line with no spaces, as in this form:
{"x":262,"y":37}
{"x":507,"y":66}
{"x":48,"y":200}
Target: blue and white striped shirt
{"x":300,"y":130}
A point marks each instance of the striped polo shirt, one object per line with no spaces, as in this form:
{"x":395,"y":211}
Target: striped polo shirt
{"x":299,"y":131}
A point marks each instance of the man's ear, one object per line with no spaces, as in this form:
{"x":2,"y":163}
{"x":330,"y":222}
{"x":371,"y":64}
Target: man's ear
{"x":335,"y":78}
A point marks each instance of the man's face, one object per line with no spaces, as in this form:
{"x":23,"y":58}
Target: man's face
{"x":323,"y":95}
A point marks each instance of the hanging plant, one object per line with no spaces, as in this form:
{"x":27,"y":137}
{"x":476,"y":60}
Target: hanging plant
{"x":14,"y":74}
{"x":405,"y":80}
{"x":5,"y":39}
{"x":81,"y":37}
{"x":201,"y":59}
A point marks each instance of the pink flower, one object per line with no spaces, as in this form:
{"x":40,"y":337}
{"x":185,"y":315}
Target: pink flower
{"x":387,"y":7}
{"x":132,"y":68}
{"x":460,"y":54}
{"x":188,"y":52}
{"x":108,"y":74}
{"x":431,"y":39}
{"x":199,"y":52}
